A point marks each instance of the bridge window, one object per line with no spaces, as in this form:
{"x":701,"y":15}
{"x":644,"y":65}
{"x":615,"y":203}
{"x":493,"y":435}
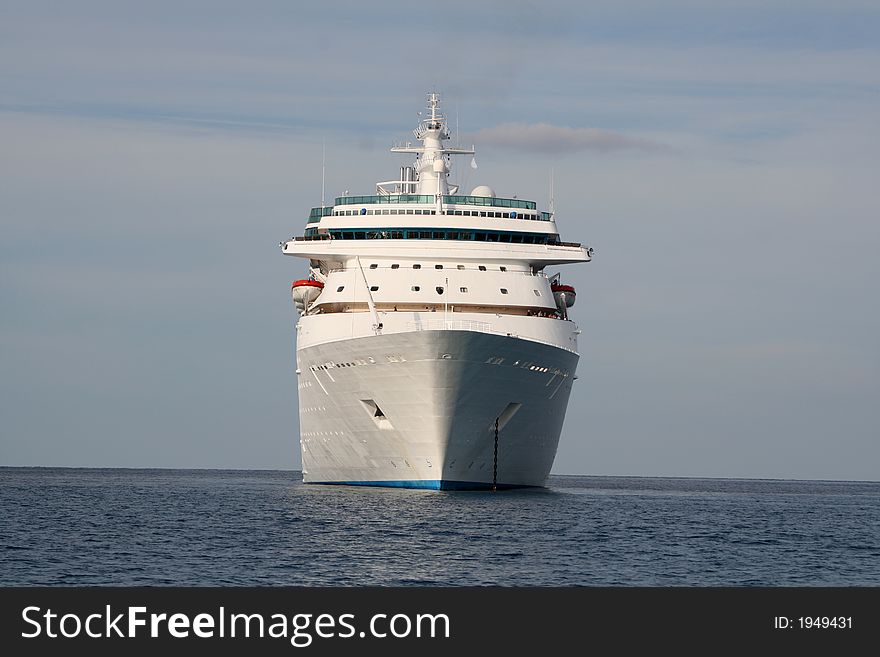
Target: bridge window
{"x":395,"y":266}
{"x":374,"y":288}
{"x":373,"y":266}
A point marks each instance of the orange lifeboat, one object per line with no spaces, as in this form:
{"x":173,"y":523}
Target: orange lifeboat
{"x":564,"y":295}
{"x":305,"y":291}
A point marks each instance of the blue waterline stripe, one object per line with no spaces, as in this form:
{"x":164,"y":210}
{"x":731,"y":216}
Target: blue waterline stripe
{"x":430,"y":484}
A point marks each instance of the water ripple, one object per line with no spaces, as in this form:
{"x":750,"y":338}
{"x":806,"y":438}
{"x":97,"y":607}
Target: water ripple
{"x":236,"y":528}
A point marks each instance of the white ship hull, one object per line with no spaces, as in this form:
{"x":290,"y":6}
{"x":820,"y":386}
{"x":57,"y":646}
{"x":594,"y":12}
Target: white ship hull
{"x":418,"y":408}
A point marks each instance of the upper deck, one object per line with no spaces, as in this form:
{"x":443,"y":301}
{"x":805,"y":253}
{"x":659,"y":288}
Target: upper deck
{"x":445,"y":200}
{"x":423,"y":205}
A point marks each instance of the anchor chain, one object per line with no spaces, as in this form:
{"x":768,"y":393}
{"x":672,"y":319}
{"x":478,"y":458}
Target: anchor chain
{"x":495,"y":461}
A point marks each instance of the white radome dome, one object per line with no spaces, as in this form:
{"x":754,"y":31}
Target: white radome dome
{"x":483,"y":190}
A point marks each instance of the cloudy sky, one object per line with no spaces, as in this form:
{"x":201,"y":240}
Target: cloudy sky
{"x":720,"y":157}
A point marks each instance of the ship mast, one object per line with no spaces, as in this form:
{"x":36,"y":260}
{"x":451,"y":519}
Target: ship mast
{"x":432,"y":162}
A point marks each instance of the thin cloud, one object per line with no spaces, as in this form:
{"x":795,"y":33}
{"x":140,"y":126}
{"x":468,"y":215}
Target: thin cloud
{"x":546,"y":138}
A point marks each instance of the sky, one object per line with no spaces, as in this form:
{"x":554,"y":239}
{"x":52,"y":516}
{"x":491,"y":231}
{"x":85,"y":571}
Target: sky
{"x":721,"y":158}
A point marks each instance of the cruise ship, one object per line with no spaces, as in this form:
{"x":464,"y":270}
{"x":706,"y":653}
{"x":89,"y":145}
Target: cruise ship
{"x":433,"y":348}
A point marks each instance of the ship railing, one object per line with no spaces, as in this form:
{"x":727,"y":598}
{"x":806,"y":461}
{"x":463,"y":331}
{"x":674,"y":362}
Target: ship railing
{"x":450,"y":325}
{"x":384,"y":198}
{"x":470,"y":325}
{"x":310,"y":238}
{"x":480,"y":327}
{"x":490,"y":201}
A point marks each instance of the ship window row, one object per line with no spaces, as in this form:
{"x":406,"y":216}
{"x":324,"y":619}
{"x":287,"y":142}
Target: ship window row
{"x":451,"y":213}
{"x":333,"y":365}
{"x":417,"y":265}
{"x":437,"y":234}
{"x":352,"y":213}
{"x":417,"y":288}
{"x":529,"y":365}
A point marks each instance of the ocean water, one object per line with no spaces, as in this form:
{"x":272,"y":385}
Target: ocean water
{"x":123,"y":527}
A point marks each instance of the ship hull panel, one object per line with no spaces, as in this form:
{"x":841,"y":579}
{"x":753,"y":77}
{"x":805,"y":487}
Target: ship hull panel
{"x":418,"y":409}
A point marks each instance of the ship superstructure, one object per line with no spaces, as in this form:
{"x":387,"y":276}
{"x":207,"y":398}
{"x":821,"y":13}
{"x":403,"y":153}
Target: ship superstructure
{"x":432,"y":348}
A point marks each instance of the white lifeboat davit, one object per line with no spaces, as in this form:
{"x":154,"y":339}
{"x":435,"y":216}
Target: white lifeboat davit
{"x":564,"y":295}
{"x":305,"y":291}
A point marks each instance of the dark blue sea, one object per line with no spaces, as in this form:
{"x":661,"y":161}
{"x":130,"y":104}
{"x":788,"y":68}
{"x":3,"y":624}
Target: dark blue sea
{"x":62,"y":526}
